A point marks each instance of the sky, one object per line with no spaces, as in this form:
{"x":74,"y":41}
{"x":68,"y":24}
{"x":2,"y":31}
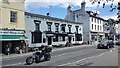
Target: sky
{"x":58,"y":8}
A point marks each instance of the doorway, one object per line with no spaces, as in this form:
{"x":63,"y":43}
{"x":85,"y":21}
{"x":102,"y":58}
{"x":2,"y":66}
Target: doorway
{"x":49,"y":40}
{"x":69,"y":39}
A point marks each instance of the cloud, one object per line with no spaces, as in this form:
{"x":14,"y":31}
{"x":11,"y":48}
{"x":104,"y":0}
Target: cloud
{"x":111,"y":16}
{"x":37,"y":4}
{"x":63,"y":3}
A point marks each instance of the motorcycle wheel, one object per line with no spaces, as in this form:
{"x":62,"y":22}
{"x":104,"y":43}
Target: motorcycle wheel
{"x":29,"y":60}
{"x":47,"y":57}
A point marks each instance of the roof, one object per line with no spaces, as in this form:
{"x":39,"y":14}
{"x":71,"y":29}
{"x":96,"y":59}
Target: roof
{"x":95,"y":16}
{"x":51,"y":18}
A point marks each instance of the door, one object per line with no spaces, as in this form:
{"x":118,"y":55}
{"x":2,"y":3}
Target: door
{"x":49,"y":40}
{"x":69,"y":39}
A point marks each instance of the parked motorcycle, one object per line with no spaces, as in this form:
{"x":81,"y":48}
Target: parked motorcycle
{"x":38,"y":56}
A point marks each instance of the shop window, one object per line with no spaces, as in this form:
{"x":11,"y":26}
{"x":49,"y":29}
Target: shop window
{"x":36,"y":37}
{"x":78,"y":37}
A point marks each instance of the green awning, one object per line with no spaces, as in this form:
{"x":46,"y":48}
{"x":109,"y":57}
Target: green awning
{"x":13,"y":37}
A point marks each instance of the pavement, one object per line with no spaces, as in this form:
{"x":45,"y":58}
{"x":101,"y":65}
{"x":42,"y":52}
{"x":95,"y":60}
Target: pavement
{"x":2,"y":56}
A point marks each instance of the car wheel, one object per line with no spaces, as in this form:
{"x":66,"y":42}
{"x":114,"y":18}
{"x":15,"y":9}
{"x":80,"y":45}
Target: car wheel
{"x":108,"y":47}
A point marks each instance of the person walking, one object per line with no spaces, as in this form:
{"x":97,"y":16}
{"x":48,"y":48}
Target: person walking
{"x":7,"y":49}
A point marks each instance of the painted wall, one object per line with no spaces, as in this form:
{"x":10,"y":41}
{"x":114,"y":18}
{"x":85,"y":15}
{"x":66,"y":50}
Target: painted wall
{"x":30,"y":27}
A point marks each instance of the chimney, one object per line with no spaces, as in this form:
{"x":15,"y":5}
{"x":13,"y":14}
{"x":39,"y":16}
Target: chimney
{"x":69,"y":9}
{"x":83,"y":6}
{"x":48,"y":14}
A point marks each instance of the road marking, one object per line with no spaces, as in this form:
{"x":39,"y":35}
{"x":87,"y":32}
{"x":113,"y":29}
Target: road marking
{"x":84,"y":59}
{"x":14,"y":64}
{"x":66,"y":54}
{"x":52,"y":57}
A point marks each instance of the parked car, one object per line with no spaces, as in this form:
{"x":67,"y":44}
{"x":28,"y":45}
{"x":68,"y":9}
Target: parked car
{"x":105,"y":44}
{"x":117,"y":42}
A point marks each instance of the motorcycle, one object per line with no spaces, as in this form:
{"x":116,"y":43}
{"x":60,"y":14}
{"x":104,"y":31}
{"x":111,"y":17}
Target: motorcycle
{"x":38,"y":56}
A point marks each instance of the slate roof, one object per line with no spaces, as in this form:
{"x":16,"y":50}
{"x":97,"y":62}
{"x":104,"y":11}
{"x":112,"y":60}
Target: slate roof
{"x":51,"y":18}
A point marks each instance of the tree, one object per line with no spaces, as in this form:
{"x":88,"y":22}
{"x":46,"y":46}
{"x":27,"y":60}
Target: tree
{"x":112,"y":8}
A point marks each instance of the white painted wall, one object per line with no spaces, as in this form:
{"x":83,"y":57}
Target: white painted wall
{"x":30,"y":27}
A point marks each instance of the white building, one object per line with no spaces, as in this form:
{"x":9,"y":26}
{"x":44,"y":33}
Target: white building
{"x":46,"y":30}
{"x":92,"y":23}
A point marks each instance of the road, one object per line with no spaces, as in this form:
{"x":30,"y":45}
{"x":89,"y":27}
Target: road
{"x":67,"y":56}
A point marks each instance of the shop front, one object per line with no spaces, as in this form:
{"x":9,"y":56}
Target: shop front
{"x":13,"y":42}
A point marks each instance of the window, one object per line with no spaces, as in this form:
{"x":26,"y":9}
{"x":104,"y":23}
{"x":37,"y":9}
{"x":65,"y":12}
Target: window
{"x":92,"y":26}
{"x":13,"y":16}
{"x":36,"y":37}
{"x":6,"y":1}
{"x":49,"y":25}
{"x":98,"y":27}
{"x":92,"y":19}
{"x":95,"y":27}
{"x":98,"y":21}
{"x":69,"y":26}
{"x":95,"y":20}
{"x":37,"y":25}
{"x":63,"y":38}
{"x":77,"y":28}
{"x":56,"y":27}
{"x":78,"y":37}
{"x":63,"y":27}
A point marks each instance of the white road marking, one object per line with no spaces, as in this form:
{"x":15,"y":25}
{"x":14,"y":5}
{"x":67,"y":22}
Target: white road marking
{"x":66,"y":54}
{"x":14,"y":64}
{"x":85,"y":59}
{"x":52,"y":57}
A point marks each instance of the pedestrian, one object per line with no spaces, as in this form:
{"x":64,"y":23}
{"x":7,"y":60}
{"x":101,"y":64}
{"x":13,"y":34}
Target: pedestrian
{"x":17,"y":50}
{"x":88,"y":42}
{"x":91,"y":42}
{"x":8,"y":50}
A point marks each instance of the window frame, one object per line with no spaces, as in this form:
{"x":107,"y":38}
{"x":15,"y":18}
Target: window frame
{"x":13,"y":16}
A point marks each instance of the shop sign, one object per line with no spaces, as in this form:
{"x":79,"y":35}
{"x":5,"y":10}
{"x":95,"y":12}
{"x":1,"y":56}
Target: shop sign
{"x":6,"y":32}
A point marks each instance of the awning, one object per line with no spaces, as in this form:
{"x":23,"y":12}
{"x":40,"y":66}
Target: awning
{"x":12,"y":37}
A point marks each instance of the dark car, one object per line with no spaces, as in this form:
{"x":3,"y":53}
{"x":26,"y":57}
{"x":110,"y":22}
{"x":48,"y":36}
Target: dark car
{"x":105,"y":44}
{"x":117,"y":42}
